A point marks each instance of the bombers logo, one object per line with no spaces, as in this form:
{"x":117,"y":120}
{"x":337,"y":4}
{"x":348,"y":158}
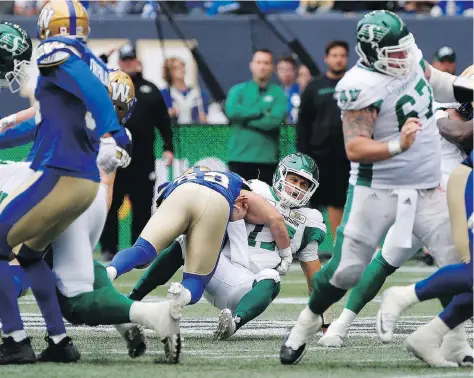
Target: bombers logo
{"x":120,"y":90}
{"x":13,"y":44}
{"x":372,"y":33}
{"x":45,"y":17}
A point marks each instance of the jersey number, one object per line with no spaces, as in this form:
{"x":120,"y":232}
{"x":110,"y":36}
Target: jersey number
{"x":215,"y":177}
{"x":271,"y":246}
{"x":423,"y":90}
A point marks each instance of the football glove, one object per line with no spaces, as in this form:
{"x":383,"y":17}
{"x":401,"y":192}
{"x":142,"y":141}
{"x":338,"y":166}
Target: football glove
{"x":286,"y":260}
{"x":107,"y":157}
{"x":123,"y":139}
{"x":7,"y":122}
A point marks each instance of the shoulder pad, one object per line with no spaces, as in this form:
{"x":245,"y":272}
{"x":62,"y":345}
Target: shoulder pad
{"x":314,"y":218}
{"x":359,"y":89}
{"x":54,"y":53}
{"x":257,"y":185}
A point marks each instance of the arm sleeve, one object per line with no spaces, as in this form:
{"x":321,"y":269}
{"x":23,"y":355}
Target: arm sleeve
{"x":236,"y":112}
{"x":276,"y":115}
{"x":306,"y":116}
{"x":310,"y":252}
{"x":20,"y":134}
{"x":163,"y":121}
{"x":76,"y":77}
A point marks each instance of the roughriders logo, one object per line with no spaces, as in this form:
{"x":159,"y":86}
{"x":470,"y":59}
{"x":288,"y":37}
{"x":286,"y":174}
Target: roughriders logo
{"x":372,"y":33}
{"x":13,"y":44}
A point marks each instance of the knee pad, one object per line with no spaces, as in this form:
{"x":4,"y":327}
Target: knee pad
{"x":347,"y":277}
{"x":27,"y":256}
{"x":268,"y":274}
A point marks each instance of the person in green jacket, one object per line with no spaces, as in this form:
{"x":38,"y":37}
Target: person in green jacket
{"x":256,"y":109}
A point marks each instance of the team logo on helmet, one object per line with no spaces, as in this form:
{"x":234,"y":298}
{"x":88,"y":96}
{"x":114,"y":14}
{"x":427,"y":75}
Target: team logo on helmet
{"x":14,"y":44}
{"x":372,"y":33}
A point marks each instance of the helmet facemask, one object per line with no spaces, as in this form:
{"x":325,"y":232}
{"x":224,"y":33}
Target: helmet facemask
{"x":397,"y":66}
{"x":290,"y":194}
{"x":18,"y":75}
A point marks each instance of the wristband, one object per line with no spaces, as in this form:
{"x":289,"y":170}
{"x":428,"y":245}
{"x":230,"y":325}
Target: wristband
{"x":285,"y":252}
{"x":394,"y":147}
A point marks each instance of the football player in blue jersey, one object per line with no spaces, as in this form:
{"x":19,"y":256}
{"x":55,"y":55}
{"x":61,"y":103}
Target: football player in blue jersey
{"x":436,"y":342}
{"x":73,"y":111}
{"x":198,"y":204}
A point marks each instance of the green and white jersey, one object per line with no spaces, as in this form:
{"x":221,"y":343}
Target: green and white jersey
{"x":397,"y":99}
{"x":305,"y":226}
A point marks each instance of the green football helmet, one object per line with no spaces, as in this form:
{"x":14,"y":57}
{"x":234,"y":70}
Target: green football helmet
{"x":384,"y":43}
{"x":299,"y":164}
{"x":15,"y":56}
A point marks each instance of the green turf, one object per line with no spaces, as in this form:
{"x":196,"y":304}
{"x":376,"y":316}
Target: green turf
{"x":252,"y":352}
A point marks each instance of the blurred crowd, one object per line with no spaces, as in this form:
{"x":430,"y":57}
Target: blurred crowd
{"x":150,"y":8}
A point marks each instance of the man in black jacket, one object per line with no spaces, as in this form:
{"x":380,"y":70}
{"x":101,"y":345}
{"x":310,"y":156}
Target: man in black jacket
{"x":138,"y":179}
{"x":319,"y":134}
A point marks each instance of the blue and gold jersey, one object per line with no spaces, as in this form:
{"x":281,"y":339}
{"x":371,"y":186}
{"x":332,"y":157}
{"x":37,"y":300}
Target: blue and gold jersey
{"x":228,"y":184}
{"x":73,"y":108}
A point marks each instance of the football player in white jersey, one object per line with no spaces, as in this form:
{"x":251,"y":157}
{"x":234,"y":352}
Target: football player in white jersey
{"x":393,"y":143}
{"x":247,"y":277}
{"x":391,"y":256}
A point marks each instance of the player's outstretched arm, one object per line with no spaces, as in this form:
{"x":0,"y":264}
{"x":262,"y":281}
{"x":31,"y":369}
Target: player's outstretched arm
{"x":261,"y":212}
{"x":455,"y":130}
{"x":16,"y":118}
{"x":21,"y":134}
{"x":358,"y":127}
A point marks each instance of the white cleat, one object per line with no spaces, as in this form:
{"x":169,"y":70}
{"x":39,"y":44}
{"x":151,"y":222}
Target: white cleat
{"x":456,"y":348}
{"x":179,"y":297}
{"x":226,"y":327}
{"x":425,"y":345}
{"x":395,"y":301}
{"x":335,"y":335}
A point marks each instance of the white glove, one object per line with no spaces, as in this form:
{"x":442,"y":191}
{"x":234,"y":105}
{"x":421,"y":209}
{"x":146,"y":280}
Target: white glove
{"x":7,"y":122}
{"x":286,"y":260}
{"x":107,"y":158}
{"x":124,"y":157}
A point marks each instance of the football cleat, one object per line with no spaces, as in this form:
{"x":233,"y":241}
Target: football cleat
{"x":227,"y":325}
{"x":64,"y":351}
{"x":395,"y":301}
{"x":134,"y":337}
{"x":290,"y":356}
{"x":13,"y":352}
{"x":425,"y":345}
{"x":456,"y":348}
{"x":179,"y":297}
{"x":172,"y":347}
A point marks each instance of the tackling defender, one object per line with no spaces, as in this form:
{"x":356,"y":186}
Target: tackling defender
{"x":428,"y":341}
{"x":86,"y":299}
{"x":386,"y":101}
{"x":66,"y":179}
{"x":247,"y":277}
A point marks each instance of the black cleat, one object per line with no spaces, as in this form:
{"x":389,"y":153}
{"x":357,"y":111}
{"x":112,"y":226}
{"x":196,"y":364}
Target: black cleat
{"x":172,"y":346}
{"x":64,"y":351}
{"x":12,"y":352}
{"x":135,"y":342}
{"x":289,"y":356}
{"x":467,"y":361}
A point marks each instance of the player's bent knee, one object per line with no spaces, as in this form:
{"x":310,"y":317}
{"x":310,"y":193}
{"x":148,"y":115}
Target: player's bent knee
{"x":268,"y":274}
{"x":347,"y":277}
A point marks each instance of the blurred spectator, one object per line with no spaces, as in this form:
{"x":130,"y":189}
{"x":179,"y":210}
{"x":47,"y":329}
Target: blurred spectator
{"x":453,"y":8}
{"x":418,"y":6}
{"x":256,"y":109}
{"x":6,"y":7}
{"x":303,"y":78}
{"x":185,"y":104}
{"x":138,"y":179}
{"x":27,"y":8}
{"x":286,"y":72}
{"x":444,"y":59}
{"x":319,"y":133}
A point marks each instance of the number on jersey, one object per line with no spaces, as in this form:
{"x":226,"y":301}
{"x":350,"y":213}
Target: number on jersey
{"x":215,"y":177}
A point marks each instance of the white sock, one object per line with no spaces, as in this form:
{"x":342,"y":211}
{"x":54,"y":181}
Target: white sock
{"x":411,"y":297}
{"x":57,"y":338}
{"x":347,"y":317}
{"x":139,"y":313}
{"x":186,"y":297}
{"x":303,"y":328}
{"x":17,"y":335}
{"x":437,"y":328}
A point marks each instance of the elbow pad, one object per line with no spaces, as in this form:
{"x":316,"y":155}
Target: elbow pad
{"x":450,"y":88}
